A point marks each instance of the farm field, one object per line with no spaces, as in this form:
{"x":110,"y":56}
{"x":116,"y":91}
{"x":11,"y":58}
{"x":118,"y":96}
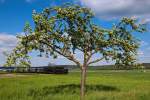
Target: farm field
{"x":101,"y":85}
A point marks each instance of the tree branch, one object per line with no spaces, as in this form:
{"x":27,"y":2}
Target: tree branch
{"x":69,"y":56}
{"x":95,"y":61}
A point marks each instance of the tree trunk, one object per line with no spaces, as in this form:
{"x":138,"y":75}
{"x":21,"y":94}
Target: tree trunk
{"x":83,"y":83}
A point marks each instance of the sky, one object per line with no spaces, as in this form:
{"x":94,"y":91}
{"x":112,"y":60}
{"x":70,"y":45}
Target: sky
{"x":15,"y":13}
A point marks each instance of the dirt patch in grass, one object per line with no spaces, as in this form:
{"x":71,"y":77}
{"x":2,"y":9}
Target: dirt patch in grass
{"x":11,"y":75}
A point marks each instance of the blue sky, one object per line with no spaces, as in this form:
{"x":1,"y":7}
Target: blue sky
{"x":14,"y":14}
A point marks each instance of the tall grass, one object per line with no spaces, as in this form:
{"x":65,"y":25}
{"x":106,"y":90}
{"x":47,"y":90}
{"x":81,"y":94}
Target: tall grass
{"x":101,"y":85}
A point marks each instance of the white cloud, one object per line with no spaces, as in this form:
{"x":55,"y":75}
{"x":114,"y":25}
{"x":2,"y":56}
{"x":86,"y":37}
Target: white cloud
{"x":143,"y":56}
{"x":119,"y":8}
{"x":144,"y":59}
{"x":144,"y":43}
{"x":7,"y":43}
{"x":140,"y":53}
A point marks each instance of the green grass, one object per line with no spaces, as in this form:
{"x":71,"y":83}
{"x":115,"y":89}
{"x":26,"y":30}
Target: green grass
{"x":101,"y":85}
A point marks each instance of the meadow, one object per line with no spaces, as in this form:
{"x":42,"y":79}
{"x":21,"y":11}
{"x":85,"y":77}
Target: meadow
{"x":101,"y":85}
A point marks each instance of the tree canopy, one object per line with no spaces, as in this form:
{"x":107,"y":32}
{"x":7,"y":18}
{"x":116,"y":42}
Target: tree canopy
{"x":62,"y":30}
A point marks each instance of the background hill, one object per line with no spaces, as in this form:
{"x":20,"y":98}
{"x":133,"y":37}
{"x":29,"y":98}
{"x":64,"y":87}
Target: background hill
{"x":101,"y":67}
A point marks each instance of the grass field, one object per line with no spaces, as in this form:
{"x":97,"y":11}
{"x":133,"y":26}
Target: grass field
{"x":101,"y":85}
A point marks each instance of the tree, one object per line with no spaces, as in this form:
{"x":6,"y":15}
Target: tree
{"x":64,"y":29}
